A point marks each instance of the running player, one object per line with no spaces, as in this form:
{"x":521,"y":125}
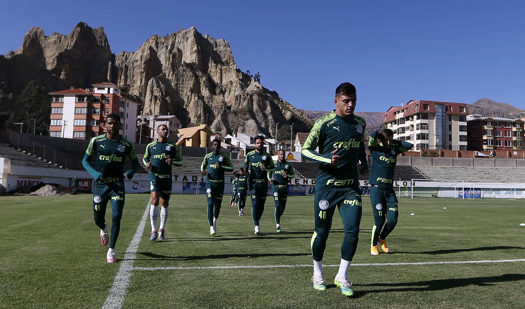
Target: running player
{"x":108,"y":151}
{"x":242,"y":189}
{"x":213,"y":165}
{"x":340,"y":138}
{"x":279,"y":178}
{"x":384,"y":150}
{"x":257,"y":163}
{"x":160,"y":155}
{"x":233,"y":199}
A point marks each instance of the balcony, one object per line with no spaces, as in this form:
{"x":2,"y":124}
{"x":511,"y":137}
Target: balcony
{"x":488,"y":137}
{"x":487,"y":127}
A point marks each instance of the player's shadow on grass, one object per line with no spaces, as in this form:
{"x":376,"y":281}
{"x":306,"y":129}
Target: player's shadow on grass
{"x":217,"y":256}
{"x":437,"y":285}
{"x":447,"y":251}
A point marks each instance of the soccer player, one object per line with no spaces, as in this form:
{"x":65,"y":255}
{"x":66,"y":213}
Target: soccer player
{"x":340,"y":138}
{"x":109,"y":151}
{"x":279,"y":179}
{"x":384,"y":150}
{"x":213,"y":165}
{"x":242,"y":190}
{"x":258,"y":163}
{"x":160,"y":155}
{"x":233,"y":199}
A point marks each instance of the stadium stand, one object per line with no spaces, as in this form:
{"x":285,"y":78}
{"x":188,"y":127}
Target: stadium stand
{"x":22,"y":157}
{"x":472,"y":174}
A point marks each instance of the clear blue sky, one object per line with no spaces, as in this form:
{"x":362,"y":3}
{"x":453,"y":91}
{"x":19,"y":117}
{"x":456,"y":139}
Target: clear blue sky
{"x":392,"y":50}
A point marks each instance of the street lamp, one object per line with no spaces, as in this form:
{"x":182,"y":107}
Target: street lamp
{"x":21,"y":125}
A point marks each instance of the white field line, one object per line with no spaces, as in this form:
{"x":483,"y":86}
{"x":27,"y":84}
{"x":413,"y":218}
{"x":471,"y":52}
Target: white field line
{"x":120,"y":284}
{"x":309,"y":266}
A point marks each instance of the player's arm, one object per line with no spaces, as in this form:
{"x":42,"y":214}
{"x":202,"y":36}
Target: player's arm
{"x":228,"y":165}
{"x":403,"y":146}
{"x":204,"y":165}
{"x":290,"y":172}
{"x":134,"y":162}
{"x":311,"y":143}
{"x":373,"y":141}
{"x":362,"y":154}
{"x":176,"y":158}
{"x":246,"y":165}
{"x":269,"y":165}
{"x":90,"y":152}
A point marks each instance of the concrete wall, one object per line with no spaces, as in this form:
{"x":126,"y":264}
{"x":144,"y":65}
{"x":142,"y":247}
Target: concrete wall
{"x":461,"y":162}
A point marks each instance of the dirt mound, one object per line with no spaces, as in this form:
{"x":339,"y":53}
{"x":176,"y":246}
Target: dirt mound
{"x":46,"y":190}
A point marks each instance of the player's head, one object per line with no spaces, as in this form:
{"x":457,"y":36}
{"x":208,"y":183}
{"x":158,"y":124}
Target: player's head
{"x":112,"y":124}
{"x":387,"y":137}
{"x":345,"y":100}
{"x":280,"y":154}
{"x":259,"y":143}
{"x":216,"y":145}
{"x":162,"y":131}
{"x":241,"y":171}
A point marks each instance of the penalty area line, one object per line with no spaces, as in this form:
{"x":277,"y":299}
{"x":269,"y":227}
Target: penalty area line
{"x":309,"y":266}
{"x":120,"y":283}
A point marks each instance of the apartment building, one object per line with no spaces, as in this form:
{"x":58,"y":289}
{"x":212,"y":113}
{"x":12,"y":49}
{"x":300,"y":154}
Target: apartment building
{"x":494,"y":133}
{"x":147,"y":127}
{"x":429,"y":124}
{"x":80,"y":113}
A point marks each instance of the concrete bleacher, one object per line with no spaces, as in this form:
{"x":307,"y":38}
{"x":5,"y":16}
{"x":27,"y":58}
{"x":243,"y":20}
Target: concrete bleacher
{"x":21,"y":157}
{"x":472,"y":174}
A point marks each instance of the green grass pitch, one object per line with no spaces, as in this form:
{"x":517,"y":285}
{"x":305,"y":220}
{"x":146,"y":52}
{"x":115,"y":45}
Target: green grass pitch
{"x":50,"y":256}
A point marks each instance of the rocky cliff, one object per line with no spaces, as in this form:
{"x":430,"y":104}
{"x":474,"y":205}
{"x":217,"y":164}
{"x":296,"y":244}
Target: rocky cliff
{"x":186,"y":74}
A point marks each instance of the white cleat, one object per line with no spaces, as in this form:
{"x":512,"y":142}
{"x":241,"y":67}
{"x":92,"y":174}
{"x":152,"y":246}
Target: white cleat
{"x":212,"y":231}
{"x":110,"y":256}
{"x":257,"y":230}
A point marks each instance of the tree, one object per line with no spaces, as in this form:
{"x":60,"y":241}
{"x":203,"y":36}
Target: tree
{"x":32,"y":107}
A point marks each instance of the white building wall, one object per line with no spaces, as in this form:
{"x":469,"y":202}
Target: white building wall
{"x":68,"y":118}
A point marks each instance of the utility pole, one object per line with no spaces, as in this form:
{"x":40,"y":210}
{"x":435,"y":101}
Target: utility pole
{"x":34,"y":126}
{"x":291,"y":138}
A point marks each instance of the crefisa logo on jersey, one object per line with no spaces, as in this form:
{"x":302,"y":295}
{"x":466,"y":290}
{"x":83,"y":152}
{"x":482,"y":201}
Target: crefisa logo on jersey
{"x":121,"y":148}
{"x":323,"y":204}
{"x":97,"y":199}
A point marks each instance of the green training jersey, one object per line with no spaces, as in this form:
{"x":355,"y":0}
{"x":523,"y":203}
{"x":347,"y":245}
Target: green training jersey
{"x":254,"y":163}
{"x":280,"y":169}
{"x":211,"y":162}
{"x":384,"y":160}
{"x":241,"y":183}
{"x":157,"y":153}
{"x":109,"y":155}
{"x":346,"y":137}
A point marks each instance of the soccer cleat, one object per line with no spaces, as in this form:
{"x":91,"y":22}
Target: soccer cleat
{"x":212,"y":231}
{"x":373,"y":250}
{"x":257,"y":230}
{"x":241,"y":212}
{"x":318,"y":283}
{"x":278,"y":227}
{"x":383,"y":245}
{"x":162,"y":234}
{"x":153,"y":236}
{"x":345,"y":286}
{"x":104,"y":236}
{"x":110,"y":256}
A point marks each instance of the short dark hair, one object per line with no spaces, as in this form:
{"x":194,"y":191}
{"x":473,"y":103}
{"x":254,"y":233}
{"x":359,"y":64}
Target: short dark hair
{"x":387,"y":132}
{"x":114,"y":117}
{"x":162,"y":125}
{"x":345,"y":89}
{"x":281,"y":150}
{"x":216,"y":140}
{"x":261,"y":137}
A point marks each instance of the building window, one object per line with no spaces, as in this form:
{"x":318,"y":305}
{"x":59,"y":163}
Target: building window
{"x":81,"y":98}
{"x":95,"y":111}
{"x":462,"y":138}
{"x":80,"y":110}
{"x":79,"y":134}
{"x":498,"y":133}
{"x":55,"y":134}
{"x":422,"y":136}
{"x":451,"y":108}
{"x":508,"y":133}
{"x":462,"y":109}
{"x":426,"y":107}
{"x":80,"y":122}
{"x":56,"y":122}
{"x":462,"y":128}
{"x":57,"y":110}
{"x":462,"y":118}
{"x":508,"y":143}
{"x":462,"y":147}
{"x":507,"y":125}
{"x":59,"y":98}
{"x":107,"y":111}
{"x":93,"y":123}
{"x":497,"y":143}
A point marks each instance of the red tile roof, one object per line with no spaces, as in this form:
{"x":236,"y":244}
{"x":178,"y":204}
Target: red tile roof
{"x":70,"y":91}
